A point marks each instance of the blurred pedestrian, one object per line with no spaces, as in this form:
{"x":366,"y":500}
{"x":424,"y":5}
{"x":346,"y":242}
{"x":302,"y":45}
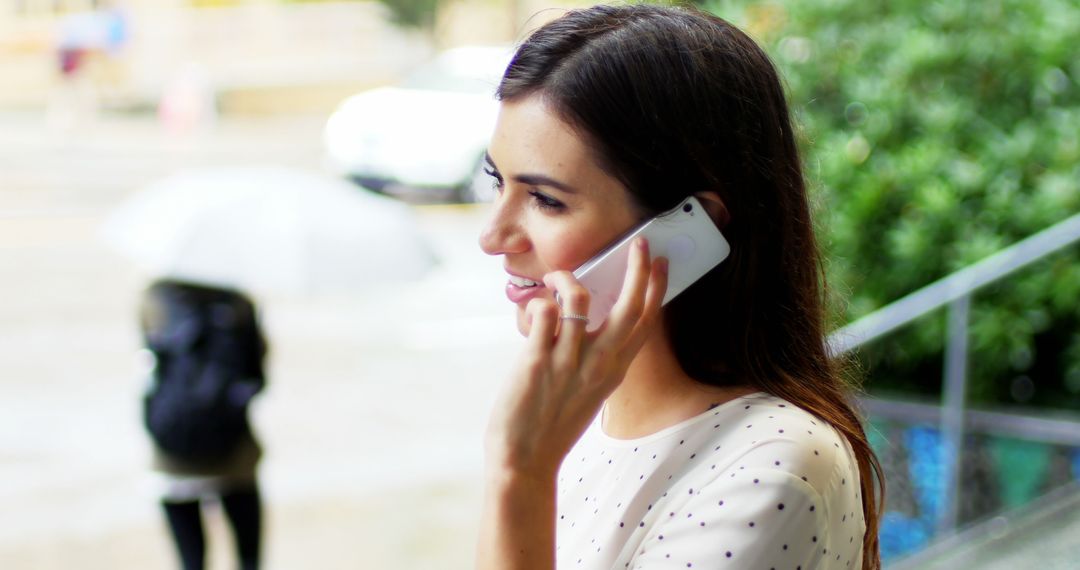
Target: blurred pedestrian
{"x":714,"y":431}
{"x":87,"y":44}
{"x":188,"y":101}
{"x":208,"y":354}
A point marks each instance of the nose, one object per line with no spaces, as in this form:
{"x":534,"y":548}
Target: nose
{"x":503,"y":234}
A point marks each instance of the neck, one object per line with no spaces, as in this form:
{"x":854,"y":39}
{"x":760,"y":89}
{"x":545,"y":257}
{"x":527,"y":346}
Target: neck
{"x":656,"y":393}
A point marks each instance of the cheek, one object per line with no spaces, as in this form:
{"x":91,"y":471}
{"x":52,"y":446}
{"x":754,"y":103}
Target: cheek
{"x":567,"y":249}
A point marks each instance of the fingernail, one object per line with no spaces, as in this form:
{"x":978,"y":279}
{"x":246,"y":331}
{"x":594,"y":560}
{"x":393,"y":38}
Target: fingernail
{"x":641,"y":243}
{"x":662,"y":262}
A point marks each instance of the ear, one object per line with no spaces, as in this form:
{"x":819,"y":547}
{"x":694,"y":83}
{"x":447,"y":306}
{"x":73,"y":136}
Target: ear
{"x":712,"y":203}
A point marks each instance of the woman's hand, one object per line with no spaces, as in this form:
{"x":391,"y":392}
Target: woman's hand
{"x":565,"y":374}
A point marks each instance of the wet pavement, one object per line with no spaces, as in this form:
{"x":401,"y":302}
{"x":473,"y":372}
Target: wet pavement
{"x":376,"y":403}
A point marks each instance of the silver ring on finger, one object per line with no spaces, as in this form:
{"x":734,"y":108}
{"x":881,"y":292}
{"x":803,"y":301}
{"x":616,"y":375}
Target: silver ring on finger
{"x":575,"y":317}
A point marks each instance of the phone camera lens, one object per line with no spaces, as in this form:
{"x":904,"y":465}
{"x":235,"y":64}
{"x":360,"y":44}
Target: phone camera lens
{"x":687,"y":207}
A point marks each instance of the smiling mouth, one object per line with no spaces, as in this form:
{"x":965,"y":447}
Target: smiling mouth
{"x":523,"y":282}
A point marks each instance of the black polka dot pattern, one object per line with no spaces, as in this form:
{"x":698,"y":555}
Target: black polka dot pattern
{"x":738,"y":486}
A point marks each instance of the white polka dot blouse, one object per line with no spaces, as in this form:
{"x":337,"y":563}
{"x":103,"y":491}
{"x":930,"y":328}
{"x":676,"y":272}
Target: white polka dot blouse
{"x":755,"y":483}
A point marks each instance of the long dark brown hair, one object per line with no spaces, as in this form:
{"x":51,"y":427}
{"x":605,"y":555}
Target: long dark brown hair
{"x":676,"y":101}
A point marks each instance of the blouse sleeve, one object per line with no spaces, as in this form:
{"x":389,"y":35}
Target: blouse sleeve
{"x":758,"y":518}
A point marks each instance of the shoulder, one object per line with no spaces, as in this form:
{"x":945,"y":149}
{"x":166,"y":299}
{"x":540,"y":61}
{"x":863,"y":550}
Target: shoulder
{"x":768,"y":433}
{"x":776,"y":485}
{"x":767,"y":447}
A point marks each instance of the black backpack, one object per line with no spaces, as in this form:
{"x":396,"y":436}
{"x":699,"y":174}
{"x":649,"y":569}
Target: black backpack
{"x":208,"y":352}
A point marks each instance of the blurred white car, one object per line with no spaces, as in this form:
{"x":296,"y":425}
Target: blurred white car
{"x":428,"y":134}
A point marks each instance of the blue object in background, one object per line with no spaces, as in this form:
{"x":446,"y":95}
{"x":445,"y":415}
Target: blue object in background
{"x":1019,"y":466}
{"x":926,"y":471}
{"x":901,"y":534}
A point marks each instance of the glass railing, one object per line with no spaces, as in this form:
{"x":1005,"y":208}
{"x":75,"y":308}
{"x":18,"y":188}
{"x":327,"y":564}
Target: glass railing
{"x":947,"y":466}
{"x":1008,"y":460}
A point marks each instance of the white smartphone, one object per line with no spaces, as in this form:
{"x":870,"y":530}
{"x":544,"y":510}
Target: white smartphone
{"x":685,"y":235}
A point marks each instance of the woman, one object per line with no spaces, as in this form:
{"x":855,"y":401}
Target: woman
{"x":208,"y":351}
{"x":714,"y":431}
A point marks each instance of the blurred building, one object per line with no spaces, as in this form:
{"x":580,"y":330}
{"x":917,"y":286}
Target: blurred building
{"x":256,"y":55}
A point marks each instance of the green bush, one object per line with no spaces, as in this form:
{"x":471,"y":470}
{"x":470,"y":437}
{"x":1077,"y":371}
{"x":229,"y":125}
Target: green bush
{"x":934,"y":134}
{"x":418,"y":14}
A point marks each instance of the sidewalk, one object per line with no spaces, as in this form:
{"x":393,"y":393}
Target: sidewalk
{"x":432,"y":526}
{"x":376,"y":403}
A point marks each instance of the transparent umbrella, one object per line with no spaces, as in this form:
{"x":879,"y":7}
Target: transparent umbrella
{"x":269,"y":229}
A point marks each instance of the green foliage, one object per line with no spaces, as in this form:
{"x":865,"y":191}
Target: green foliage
{"x":934,"y":134}
{"x":412,"y":13}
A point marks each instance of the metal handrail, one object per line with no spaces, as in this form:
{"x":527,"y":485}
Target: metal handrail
{"x":957,"y":285}
{"x":1059,"y":428}
{"x":955,"y":290}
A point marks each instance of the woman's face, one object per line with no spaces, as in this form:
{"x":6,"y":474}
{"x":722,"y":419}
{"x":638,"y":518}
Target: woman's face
{"x":554,"y":208}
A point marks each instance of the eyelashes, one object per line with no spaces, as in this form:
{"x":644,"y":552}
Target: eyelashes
{"x":539,"y":199}
{"x":545,"y":202}
{"x":496,"y":178}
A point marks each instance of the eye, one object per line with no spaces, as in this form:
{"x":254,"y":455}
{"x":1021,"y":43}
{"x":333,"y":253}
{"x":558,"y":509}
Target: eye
{"x":496,"y":178}
{"x":545,"y":202}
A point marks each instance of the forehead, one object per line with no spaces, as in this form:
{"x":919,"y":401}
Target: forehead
{"x":531,"y":138}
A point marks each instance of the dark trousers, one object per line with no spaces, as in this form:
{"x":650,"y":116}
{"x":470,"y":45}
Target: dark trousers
{"x":243,"y":509}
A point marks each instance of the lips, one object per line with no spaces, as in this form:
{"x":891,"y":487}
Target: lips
{"x":522,"y":289}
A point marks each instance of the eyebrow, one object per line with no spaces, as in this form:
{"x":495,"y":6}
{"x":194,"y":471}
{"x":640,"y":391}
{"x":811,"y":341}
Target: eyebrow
{"x":534,"y":179}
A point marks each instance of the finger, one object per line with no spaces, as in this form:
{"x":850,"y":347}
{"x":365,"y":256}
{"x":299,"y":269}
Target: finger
{"x":623,"y":356}
{"x":574,"y":298}
{"x":629,"y":306}
{"x":544,"y":316}
{"x":654,"y":299}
